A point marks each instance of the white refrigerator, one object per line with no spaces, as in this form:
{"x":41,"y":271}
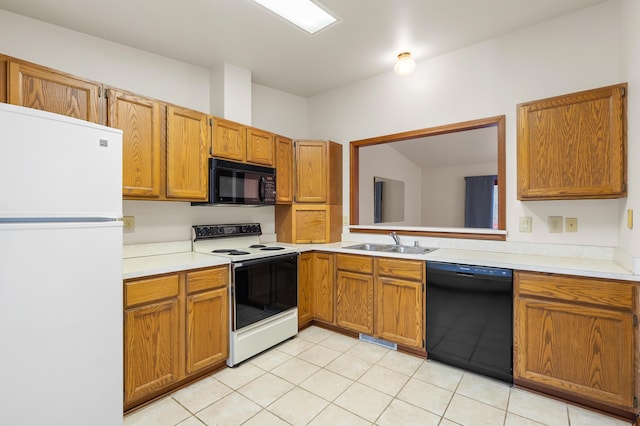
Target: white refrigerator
{"x":60,"y":270}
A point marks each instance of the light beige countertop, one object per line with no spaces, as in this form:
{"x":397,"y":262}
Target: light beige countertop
{"x":153,"y":259}
{"x":598,"y":268}
{"x":161,"y":258}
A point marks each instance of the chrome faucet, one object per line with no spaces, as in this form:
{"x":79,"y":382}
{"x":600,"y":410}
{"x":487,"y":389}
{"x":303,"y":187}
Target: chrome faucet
{"x":395,"y":238}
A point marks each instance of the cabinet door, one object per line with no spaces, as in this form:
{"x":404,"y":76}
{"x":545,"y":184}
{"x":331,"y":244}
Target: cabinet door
{"x":400,"y":311}
{"x":260,"y":147}
{"x":573,"y":146}
{"x":311,"y":223}
{"x":354,"y":301}
{"x":323,"y":281}
{"x":4,"y":68}
{"x":583,"y":350}
{"x":305,"y":299}
{"x":45,"y":89}
{"x":228,"y":140}
{"x":284,"y":171}
{"x":311,"y":172}
{"x":187,"y":159}
{"x":139,"y":120}
{"x":151,"y":348}
{"x":207,"y":329}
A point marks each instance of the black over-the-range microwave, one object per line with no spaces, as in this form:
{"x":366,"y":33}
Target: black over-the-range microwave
{"x":232,"y":183}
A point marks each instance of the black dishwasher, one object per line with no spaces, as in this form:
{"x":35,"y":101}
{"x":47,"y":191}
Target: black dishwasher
{"x":469,"y":320}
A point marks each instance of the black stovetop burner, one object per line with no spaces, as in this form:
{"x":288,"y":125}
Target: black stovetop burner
{"x":231,"y":252}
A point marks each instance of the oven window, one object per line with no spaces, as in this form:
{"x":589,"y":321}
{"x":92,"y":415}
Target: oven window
{"x":265,"y":288}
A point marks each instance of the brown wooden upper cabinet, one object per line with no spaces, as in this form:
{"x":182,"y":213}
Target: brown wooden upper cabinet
{"x":4,"y":66}
{"x":237,"y":142}
{"x":260,"y":147}
{"x":188,"y":135}
{"x":42,"y":88}
{"x":318,"y":172}
{"x":573,"y":146}
{"x":139,"y":119}
{"x":229,"y":140}
{"x":164,"y":148}
{"x":284,"y":170}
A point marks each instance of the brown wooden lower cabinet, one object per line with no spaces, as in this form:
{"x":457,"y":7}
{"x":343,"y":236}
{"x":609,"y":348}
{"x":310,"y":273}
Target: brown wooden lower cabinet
{"x":175,"y":326}
{"x":400,"y":301}
{"x":383,"y":297}
{"x":315,"y":288}
{"x":575,"y":335}
{"x":151,"y":335}
{"x":323,"y":284}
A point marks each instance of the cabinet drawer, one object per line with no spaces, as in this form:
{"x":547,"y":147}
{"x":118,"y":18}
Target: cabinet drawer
{"x":399,"y":268}
{"x":207,"y":279}
{"x":348,"y":262}
{"x":151,"y":289}
{"x":595,"y":291}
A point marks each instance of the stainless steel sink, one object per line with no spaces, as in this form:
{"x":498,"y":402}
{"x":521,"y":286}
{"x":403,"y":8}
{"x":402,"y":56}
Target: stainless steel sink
{"x":369,"y":247}
{"x":409,"y":249}
{"x":391,"y":248}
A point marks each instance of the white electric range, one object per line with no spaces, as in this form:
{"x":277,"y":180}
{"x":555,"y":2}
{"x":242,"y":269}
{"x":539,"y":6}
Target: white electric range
{"x":263,"y":292}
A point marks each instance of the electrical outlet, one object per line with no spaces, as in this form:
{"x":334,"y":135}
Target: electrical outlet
{"x":525,"y":224}
{"x":630,"y":218}
{"x":555,"y":224}
{"x":129,"y":223}
{"x":345,"y":220}
{"x":571,"y":224}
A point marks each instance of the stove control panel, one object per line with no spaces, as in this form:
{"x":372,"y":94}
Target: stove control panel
{"x":205,"y":232}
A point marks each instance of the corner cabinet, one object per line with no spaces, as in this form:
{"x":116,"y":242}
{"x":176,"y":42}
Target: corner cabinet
{"x":575,"y":337}
{"x":315,"y":214}
{"x":175,"y":329}
{"x":573,"y":146}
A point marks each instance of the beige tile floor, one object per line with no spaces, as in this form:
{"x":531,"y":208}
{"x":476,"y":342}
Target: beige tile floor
{"x":324,"y":378}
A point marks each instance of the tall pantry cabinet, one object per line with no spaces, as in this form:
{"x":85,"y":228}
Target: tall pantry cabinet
{"x":314,"y":215}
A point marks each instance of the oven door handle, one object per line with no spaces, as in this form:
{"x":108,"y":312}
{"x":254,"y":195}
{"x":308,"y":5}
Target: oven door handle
{"x":236,"y":265}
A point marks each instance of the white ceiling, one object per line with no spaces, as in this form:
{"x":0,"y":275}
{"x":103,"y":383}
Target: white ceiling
{"x":364,"y":43}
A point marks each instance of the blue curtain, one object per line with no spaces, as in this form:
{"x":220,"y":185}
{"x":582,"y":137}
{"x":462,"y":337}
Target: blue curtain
{"x":377,"y":210}
{"x":478,"y":206}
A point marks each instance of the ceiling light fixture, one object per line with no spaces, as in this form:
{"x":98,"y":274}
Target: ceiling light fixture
{"x":404,"y":65}
{"x":302,"y":13}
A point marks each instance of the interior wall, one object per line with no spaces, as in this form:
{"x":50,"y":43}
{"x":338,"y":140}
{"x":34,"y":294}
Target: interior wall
{"x":104,"y":61}
{"x":280,"y":112}
{"x":443,"y":193}
{"x":630,"y":238}
{"x":575,"y":52}
{"x":383,"y":161}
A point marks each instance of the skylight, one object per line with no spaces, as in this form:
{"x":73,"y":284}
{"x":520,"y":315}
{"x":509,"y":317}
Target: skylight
{"x":302,"y":13}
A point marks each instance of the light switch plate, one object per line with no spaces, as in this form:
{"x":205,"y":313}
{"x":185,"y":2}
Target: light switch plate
{"x":129,"y":223}
{"x":555,"y":224}
{"x":525,"y":224}
{"x":571,"y":224}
